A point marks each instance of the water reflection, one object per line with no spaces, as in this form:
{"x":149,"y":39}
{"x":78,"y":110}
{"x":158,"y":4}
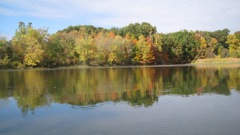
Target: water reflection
{"x":139,"y":86}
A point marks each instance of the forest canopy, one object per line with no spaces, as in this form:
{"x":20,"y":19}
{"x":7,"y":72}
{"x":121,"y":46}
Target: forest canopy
{"x":134,"y":44}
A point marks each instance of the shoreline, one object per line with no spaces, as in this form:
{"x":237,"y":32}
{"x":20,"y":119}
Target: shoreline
{"x":97,"y":67}
{"x":200,"y":62}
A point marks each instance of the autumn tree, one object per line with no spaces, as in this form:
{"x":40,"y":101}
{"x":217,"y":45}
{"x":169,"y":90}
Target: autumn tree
{"x":211,"y":47}
{"x":158,"y":48}
{"x":234,"y":45}
{"x":35,"y":42}
{"x":144,"y":52}
{"x":117,"y":50}
{"x":19,"y":43}
{"x":103,"y":42}
{"x":136,"y":43}
{"x":202,"y":47}
{"x":129,"y":43}
{"x":86,"y":49}
{"x":28,"y":45}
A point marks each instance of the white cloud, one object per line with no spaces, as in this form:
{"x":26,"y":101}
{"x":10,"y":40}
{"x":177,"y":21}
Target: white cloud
{"x":167,"y":15}
{"x":7,"y":11}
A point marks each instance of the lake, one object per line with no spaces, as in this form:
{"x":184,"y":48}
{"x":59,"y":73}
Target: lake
{"x":166,"y":100}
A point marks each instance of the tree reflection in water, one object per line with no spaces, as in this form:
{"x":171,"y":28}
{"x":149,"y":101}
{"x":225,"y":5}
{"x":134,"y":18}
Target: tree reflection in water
{"x":139,"y":86}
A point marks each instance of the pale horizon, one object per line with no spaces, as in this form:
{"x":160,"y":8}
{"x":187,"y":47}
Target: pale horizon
{"x":167,"y":15}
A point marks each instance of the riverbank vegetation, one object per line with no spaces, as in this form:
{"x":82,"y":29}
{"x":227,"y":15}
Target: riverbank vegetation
{"x":218,"y":61}
{"x":135,"y":44}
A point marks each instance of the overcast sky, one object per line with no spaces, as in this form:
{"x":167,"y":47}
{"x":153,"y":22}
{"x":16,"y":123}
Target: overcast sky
{"x":166,"y":15}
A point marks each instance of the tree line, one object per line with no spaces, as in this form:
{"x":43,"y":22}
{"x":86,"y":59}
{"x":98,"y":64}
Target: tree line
{"x":134,"y":44}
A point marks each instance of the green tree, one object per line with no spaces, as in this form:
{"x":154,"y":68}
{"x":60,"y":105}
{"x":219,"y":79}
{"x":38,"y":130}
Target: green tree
{"x":61,"y":49}
{"x":221,"y":37}
{"x":87,"y":29}
{"x":53,"y":52}
{"x":137,"y":29}
{"x":4,"y":53}
{"x":181,"y":46}
{"x":237,"y":34}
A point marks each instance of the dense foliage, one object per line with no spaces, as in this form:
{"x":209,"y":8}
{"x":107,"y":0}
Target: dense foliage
{"x":135,"y":44}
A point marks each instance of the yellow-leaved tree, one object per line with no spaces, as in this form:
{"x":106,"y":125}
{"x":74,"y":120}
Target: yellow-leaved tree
{"x":28,"y":45}
{"x":234,"y":45}
{"x":34,"y":48}
{"x":86,"y":49}
{"x":144,"y":51}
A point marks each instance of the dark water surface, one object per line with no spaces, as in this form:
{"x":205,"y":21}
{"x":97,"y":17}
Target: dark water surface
{"x":187,"y":100}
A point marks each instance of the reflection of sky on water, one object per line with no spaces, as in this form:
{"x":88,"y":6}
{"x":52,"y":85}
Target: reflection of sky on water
{"x":150,"y":100}
{"x":204,"y":114}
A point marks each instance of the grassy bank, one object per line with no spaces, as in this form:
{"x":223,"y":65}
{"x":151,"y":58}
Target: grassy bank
{"x":218,"y":61}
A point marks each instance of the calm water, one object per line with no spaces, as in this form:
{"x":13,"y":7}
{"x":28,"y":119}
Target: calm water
{"x":188,"y":100}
